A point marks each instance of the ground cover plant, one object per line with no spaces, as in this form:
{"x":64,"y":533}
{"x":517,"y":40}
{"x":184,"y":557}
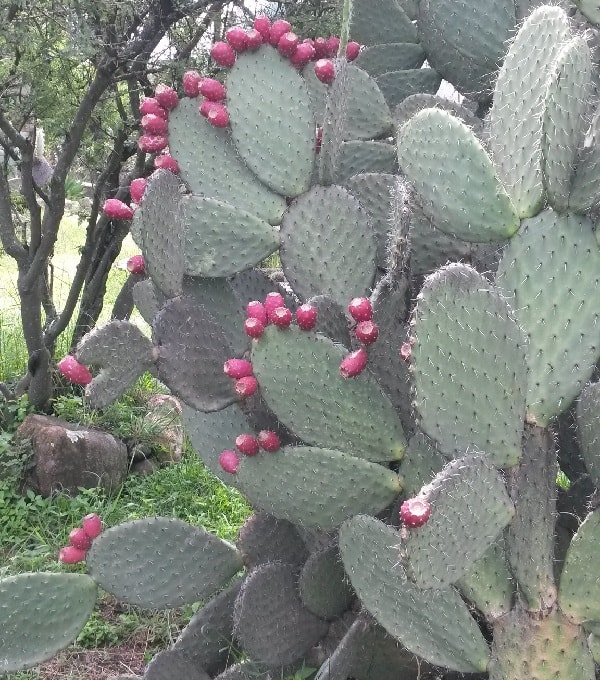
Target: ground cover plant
{"x":398,"y":410}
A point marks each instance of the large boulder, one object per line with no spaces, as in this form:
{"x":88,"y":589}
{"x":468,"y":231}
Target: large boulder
{"x":66,"y":456}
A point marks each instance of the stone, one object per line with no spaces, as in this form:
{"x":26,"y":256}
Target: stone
{"x":66,"y":456}
{"x":144,"y":467}
{"x":164,"y":413}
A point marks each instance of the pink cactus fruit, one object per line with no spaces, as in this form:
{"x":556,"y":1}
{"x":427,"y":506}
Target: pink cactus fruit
{"x":352,"y":50}
{"x":354,"y":363}
{"x":281,"y":317}
{"x":306,"y":317}
{"x":272,"y":301}
{"x":74,"y":371}
{"x":150,"y":105}
{"x":92,"y":525}
{"x":79,"y":539}
{"x":191,"y":83}
{"x":117,"y":210}
{"x":303,"y":54}
{"x":333,"y":45}
{"x":262,"y":24}
{"x":255,"y":39}
{"x":229,"y":461}
{"x":71,"y":555}
{"x":288,"y":44}
{"x":268,"y":440}
{"x":278,"y":28}
{"x":254,"y":328}
{"x":415,"y":512}
{"x":136,"y":264}
{"x":166,"y":96}
{"x":246,"y":387}
{"x":325,"y":71}
{"x":237,"y":38}
{"x":237,"y":368}
{"x":360,"y":309}
{"x":137,"y":188}
{"x":166,"y":162}
{"x":154,"y":125}
{"x":152,"y":143}
{"x":321,"y":48}
{"x":247,"y":444}
{"x":256,"y":310}
{"x":218,"y":116}
{"x":367,"y":332}
{"x":213,"y":90}
{"x":223,"y":54}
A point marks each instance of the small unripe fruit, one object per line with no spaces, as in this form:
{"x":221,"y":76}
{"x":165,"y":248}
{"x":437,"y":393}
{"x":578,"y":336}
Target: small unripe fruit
{"x":92,"y":525}
{"x":272,"y":301}
{"x":255,"y":39}
{"x":415,"y":512}
{"x":166,"y":96}
{"x":212,"y":89}
{"x":303,"y":54}
{"x":352,"y":50}
{"x":281,"y":317}
{"x":237,"y":368}
{"x":262,"y":24}
{"x":246,"y":387}
{"x":154,"y":125}
{"x":254,"y":327}
{"x":74,"y":371}
{"x":117,"y":210}
{"x":166,"y":162}
{"x":367,"y":332}
{"x":333,"y":45}
{"x":306,"y":317}
{"x":137,"y":188}
{"x":79,"y":539}
{"x":278,"y":28}
{"x":151,"y":106}
{"x":256,"y":310}
{"x":152,"y":143}
{"x":191,"y":83}
{"x":136,"y":264}
{"x":229,"y":461}
{"x":360,"y":309}
{"x":288,"y":43}
{"x":71,"y":555}
{"x":354,"y":363}
{"x":223,"y":54}
{"x":268,"y":440}
{"x":218,"y":116}
{"x":247,"y":444}
{"x":325,"y":70}
{"x":237,"y":38}
{"x":321,"y":48}
{"x":406,"y":351}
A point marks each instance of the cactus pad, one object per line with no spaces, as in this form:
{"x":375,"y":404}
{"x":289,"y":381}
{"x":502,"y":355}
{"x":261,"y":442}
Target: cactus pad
{"x":263,"y":538}
{"x":175,"y":563}
{"x":588,"y":426}
{"x":421,"y":463}
{"x":331,"y":320}
{"x":174,"y":664}
{"x":417,"y":102}
{"x":148,"y":300}
{"x":323,"y":585}
{"x":584,"y":194}
{"x":380,"y":59}
{"x":357,"y":156}
{"x":380,"y":22}
{"x":397,"y":85}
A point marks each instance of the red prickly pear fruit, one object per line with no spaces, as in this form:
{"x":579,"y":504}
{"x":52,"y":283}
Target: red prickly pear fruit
{"x":303,"y":54}
{"x":319,"y":139}
{"x":137,"y":188}
{"x":206,"y":107}
{"x":237,"y":38}
{"x":333,"y":45}
{"x":406,"y":351}
{"x":166,"y":96}
{"x":229,"y":461}
{"x":278,"y":28}
{"x":218,"y":116}
{"x":212,"y":89}
{"x":415,"y":512}
{"x":288,"y":44}
{"x":272,"y":301}
{"x":92,"y":525}
{"x":150,"y":105}
{"x":154,"y":125}
{"x":325,"y":71}
{"x":268,"y":440}
{"x":352,"y":50}
{"x":246,"y":387}
{"x":281,"y":317}
{"x":255,"y":39}
{"x":237,"y":368}
{"x":247,"y":444}
{"x":306,"y":317}
{"x":262,"y":24}
{"x":71,"y":555}
{"x":74,"y":371}
{"x":191,"y":83}
{"x":254,"y":327}
{"x":136,"y":264}
{"x":79,"y":539}
{"x":166,"y":162}
{"x":117,"y":210}
{"x":256,"y":310}
{"x":354,"y":363}
{"x":152,"y":143}
{"x":367,"y":332}
{"x":321,"y":48}
{"x":223,"y":54}
{"x":360,"y":309}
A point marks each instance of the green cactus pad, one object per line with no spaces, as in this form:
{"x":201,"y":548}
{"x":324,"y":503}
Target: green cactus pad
{"x":299,"y":377}
{"x":468,"y":366}
{"x":222,"y":240}
{"x":323,"y":585}
{"x":594,"y":639}
{"x":161,"y":226}
{"x":122,"y":352}
{"x":175,"y":563}
{"x":397,"y":85}
{"x":588,"y":427}
{"x":380,"y":59}
{"x":440,"y":629}
{"x":417,"y":102}
{"x":271,"y":623}
{"x":264,"y":538}
{"x":489,"y":583}
{"x":579,"y":592}
{"x":562,"y":361}
{"x":148,"y":300}
{"x":317,"y":91}
{"x":421,"y":464}
{"x":454,"y":178}
{"x":332,"y":321}
{"x":461,"y":528}
{"x":328,"y":226}
{"x":315,"y":487}
{"x":374,"y":23}
{"x":366,"y":114}
{"x":516,"y":117}
{"x":373,"y":191}
{"x":207,"y":637}
{"x":357,"y":157}
{"x":211,"y":166}
{"x":565,"y":120}
{"x":174,"y":664}
{"x":277,"y":142}
{"x":256,"y":284}
{"x":539,"y":649}
{"x":584,"y":194}
{"x":41,"y":614}
{"x":590,"y":9}
{"x":466,"y":42}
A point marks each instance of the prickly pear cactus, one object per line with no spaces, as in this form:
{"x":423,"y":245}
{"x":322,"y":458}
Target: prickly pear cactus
{"x":388,"y":401}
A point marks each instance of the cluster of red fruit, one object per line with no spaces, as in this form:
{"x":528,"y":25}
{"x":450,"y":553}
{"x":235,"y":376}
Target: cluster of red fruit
{"x":274,"y":311}
{"x":365,"y":331}
{"x":248,"y":445}
{"x":80,"y":540}
{"x":155,"y":124}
